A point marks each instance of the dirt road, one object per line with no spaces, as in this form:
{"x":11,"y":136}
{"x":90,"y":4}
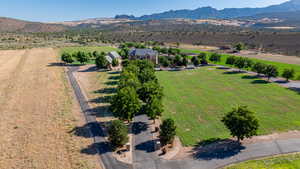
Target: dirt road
{"x":36,"y":114}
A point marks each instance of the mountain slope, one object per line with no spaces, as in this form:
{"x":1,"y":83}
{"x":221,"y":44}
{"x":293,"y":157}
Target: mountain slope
{"x":11,"y":25}
{"x":228,"y":13}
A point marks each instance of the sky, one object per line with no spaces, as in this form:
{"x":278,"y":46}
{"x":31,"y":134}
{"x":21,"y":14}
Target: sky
{"x":68,"y":10}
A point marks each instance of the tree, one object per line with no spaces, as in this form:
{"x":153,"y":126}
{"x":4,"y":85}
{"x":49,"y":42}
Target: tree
{"x":167,"y":131}
{"x":288,"y":74}
{"x":241,"y":122}
{"x":215,"y":57}
{"x":124,"y":53}
{"x":67,"y":58}
{"x":230,"y":60}
{"x":202,"y":57}
{"x":154,"y":108}
{"x":240,"y":62}
{"x":195,"y":61}
{"x":178,"y":60}
{"x":239,"y":47}
{"x":82,"y":57}
{"x":125,"y":104}
{"x":101,"y":61}
{"x":164,"y":61}
{"x":248,"y":63}
{"x":115,"y":62}
{"x":149,"y":90}
{"x":147,"y":75}
{"x":271,"y":71}
{"x":129,"y":79}
{"x":118,"y":134}
{"x":259,"y":68}
{"x":185,"y":61}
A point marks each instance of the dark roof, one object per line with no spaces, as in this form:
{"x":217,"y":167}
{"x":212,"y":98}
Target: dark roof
{"x":142,"y":52}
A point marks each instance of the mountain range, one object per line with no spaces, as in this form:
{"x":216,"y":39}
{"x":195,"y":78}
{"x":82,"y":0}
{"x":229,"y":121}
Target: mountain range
{"x":212,"y":13}
{"x":285,"y":14}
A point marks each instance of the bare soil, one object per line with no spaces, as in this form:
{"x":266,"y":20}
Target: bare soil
{"x":36,"y":114}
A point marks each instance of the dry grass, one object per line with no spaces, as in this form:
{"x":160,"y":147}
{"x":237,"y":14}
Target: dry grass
{"x":36,"y":115}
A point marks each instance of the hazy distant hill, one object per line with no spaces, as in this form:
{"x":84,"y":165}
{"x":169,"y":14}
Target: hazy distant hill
{"x":11,"y":25}
{"x":228,"y":13}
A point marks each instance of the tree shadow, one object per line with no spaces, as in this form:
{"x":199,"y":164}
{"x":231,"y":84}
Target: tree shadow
{"x":114,"y":73}
{"x":104,"y":99}
{"x":223,"y":68}
{"x":90,"y":69}
{"x":281,"y":81}
{"x":259,"y":81}
{"x":110,"y":90}
{"x":234,"y":72}
{"x":112,"y":83}
{"x":218,"y":149}
{"x":139,"y":127}
{"x":295,"y":89}
{"x":82,"y":131}
{"x":250,"y":77}
{"x":93,"y":149}
{"x":114,"y":77}
{"x":61,"y":64}
{"x":148,"y":146}
{"x":100,"y":111}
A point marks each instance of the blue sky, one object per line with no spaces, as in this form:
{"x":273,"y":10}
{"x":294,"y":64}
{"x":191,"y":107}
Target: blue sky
{"x":62,"y":10}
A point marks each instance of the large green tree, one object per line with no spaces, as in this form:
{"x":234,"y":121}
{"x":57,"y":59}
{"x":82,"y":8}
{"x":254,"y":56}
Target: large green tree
{"x":215,"y":57}
{"x":167,"y":131}
{"x":118,"y":134}
{"x":125,"y":104}
{"x":101,"y":61}
{"x":288,"y":74}
{"x":82,"y":57}
{"x":259,"y":68}
{"x":154,"y":108}
{"x":241,"y":122}
{"x":149,"y":90}
{"x":67,"y":58}
{"x":271,"y":71}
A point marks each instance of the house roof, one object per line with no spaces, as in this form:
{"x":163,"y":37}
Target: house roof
{"x":109,"y":59}
{"x":142,"y":52}
{"x":114,"y":55}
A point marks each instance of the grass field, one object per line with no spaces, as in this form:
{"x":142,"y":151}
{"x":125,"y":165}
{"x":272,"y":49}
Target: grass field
{"x":197,"y":100}
{"x":72,"y":50}
{"x":280,"y":66}
{"x":291,"y":161}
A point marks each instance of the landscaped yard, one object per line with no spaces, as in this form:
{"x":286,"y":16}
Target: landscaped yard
{"x":280,"y":66}
{"x":87,"y":49}
{"x":198,"y":99}
{"x":291,"y":161}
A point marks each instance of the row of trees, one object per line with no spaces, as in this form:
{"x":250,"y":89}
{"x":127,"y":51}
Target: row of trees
{"x":259,"y":68}
{"x":139,"y":91}
{"x":80,"y":56}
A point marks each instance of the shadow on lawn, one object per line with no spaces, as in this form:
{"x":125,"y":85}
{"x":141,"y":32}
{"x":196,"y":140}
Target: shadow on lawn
{"x":234,"y":72}
{"x":295,"y":89}
{"x":259,"y":81}
{"x":217,"y":149}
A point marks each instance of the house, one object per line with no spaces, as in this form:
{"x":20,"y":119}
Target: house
{"x":110,"y":57}
{"x":148,"y":54}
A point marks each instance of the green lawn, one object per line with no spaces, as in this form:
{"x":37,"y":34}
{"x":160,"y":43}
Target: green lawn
{"x":197,"y":100}
{"x":280,"y":66}
{"x":291,"y":161}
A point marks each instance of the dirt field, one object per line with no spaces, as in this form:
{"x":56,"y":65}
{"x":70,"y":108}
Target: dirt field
{"x":38,"y":115}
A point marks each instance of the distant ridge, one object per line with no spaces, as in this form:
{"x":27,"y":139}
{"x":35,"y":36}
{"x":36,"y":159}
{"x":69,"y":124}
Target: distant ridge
{"x":12,"y":25}
{"x":227,"y":13}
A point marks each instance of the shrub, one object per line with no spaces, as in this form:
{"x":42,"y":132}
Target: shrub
{"x":230,"y":60}
{"x":115,"y":62}
{"x":118,"y":134}
{"x":215,"y":57}
{"x":167,"y":131}
{"x":101,"y":61}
